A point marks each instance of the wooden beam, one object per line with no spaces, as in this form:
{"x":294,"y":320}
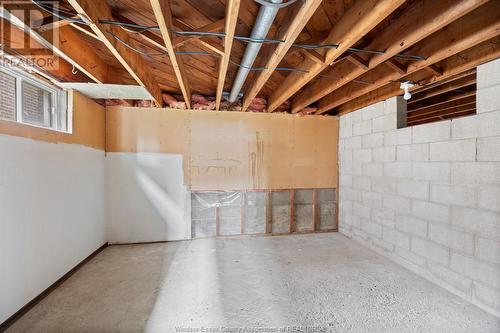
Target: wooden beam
{"x":92,"y":11}
{"x":441,"y":89}
{"x":358,"y":61}
{"x":428,"y":17}
{"x":50,"y":23}
{"x":475,"y":28}
{"x":362,"y":17}
{"x":301,"y":16}
{"x":314,"y":56}
{"x":232,"y":10}
{"x":70,"y":47}
{"x":434,"y":70}
{"x":397,"y":66}
{"x":452,"y":66}
{"x":163,"y":14}
{"x":211,"y":27}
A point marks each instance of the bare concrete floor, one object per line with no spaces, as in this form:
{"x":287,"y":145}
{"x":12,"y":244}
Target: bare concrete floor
{"x":321,"y":280}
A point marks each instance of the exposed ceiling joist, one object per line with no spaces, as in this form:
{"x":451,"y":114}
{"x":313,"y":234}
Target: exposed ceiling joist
{"x":211,"y":27}
{"x":479,"y":26}
{"x":452,"y":66}
{"x":163,"y":14}
{"x":68,"y":47}
{"x":417,"y":22}
{"x":298,"y":20}
{"x":137,"y":67}
{"x":356,"y":22}
{"x":232,"y":10}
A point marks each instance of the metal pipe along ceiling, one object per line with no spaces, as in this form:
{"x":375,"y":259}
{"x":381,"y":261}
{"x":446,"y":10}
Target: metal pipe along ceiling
{"x":261,"y":27}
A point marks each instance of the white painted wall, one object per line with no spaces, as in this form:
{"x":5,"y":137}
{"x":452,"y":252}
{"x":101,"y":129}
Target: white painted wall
{"x":51,"y":215}
{"x":146,"y":198}
{"x":428,"y":196}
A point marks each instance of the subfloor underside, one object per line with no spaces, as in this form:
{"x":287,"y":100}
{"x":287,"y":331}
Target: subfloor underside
{"x":323,"y":281}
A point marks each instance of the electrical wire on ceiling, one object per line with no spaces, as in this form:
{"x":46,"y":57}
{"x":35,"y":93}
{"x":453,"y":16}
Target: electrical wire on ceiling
{"x":66,"y":15}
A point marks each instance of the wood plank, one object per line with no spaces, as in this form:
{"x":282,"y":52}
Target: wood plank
{"x":70,"y":47}
{"x":362,"y":17}
{"x":163,"y":14}
{"x":451,"y":107}
{"x":301,"y":16}
{"x":92,"y":11}
{"x":428,"y":17}
{"x":443,"y":116}
{"x":397,"y":66}
{"x":358,"y":61}
{"x":232,"y":10}
{"x":314,"y":56}
{"x":211,"y":27}
{"x":473,"y":29}
{"x":452,"y":66}
{"x":447,"y":87}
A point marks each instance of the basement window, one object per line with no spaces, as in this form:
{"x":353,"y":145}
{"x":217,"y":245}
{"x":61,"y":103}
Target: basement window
{"x":452,"y":98}
{"x":32,"y":101}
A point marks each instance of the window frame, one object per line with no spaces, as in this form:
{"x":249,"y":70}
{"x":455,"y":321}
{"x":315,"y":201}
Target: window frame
{"x":58,"y":113}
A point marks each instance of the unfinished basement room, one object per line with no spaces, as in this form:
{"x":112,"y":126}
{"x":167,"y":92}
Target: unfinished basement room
{"x":249,"y":166}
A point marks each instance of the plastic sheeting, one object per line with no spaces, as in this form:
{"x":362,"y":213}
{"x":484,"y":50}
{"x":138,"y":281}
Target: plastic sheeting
{"x":216,"y":199}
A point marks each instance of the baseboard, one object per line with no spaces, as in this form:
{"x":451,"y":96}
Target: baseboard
{"x":21,"y":312}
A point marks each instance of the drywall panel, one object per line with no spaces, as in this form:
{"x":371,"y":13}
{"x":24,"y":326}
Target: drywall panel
{"x":51,"y":214}
{"x":233,"y":150}
{"x":88,"y":125}
{"x":146,"y":198}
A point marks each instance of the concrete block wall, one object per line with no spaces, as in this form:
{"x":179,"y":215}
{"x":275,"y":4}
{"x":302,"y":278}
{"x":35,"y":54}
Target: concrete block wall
{"x":428,"y":196}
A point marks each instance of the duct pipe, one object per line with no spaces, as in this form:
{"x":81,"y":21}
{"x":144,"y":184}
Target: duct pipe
{"x":261,"y":27}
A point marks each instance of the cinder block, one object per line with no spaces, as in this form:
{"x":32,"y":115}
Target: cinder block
{"x":413,"y":188}
{"x":345,"y":180}
{"x":489,"y":198}
{"x":345,"y":120}
{"x":325,"y":195}
{"x":303,"y":197}
{"x":432,"y":132}
{"x":303,"y":217}
{"x":477,"y":221}
{"x":481,"y":125}
{"x":346,"y":206}
{"x":448,"y":276}
{"x":488,"y":149}
{"x":361,"y":210}
{"x":474,"y":269}
{"x":350,"y":194}
{"x":399,"y":239}
{"x":373,"y":111}
{"x":373,"y":140}
{"x":475,"y":173}
{"x":487,"y":74}
{"x":345,"y":132}
{"x":362,"y":128}
{"x":280,"y":218}
{"x":401,"y":136}
{"x":416,"y":152}
{"x":386,"y":185}
{"x":230,"y":226}
{"x":488,"y":99}
{"x":430,"y":211}
{"x":487,"y":295}
{"x":397,"y":169}
{"x":385,"y":123}
{"x":255,"y":198}
{"x":383,"y":245}
{"x":391,"y":105}
{"x":433,"y":252}
{"x":454,"y":239}
{"x":453,"y":195}
{"x":352,"y":143}
{"x":372,"y":169}
{"x":356,"y":116}
{"x":410,"y":256}
{"x":355,"y":169}
{"x":371,"y":228}
{"x":488,"y":250}
{"x":384,"y":154}
{"x":371,"y":199}
{"x":434,"y":171}
{"x":362,"y":183}
{"x":412,"y":225}
{"x":456,"y":150}
{"x":352,"y":220}
{"x":383,"y":216}
{"x":255,"y":219}
{"x":398,"y":204}
{"x":362,"y":155}
{"x":325,"y":216}
{"x":345,"y":156}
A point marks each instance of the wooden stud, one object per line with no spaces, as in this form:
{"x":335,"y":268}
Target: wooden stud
{"x":232,"y":9}
{"x":358,"y":61}
{"x":362,"y":17}
{"x":243,"y":205}
{"x":394,"y":39}
{"x":314,"y":210}
{"x":314,"y":56}
{"x":292,"y":227}
{"x":397,"y":66}
{"x":163,"y":14}
{"x":268,"y":213}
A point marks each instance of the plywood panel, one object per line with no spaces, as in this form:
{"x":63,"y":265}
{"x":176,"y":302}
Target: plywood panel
{"x":233,"y":150}
{"x":88,"y":126}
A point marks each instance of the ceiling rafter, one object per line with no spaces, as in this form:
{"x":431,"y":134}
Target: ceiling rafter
{"x":163,"y":14}
{"x":477,"y":27}
{"x":92,"y":11}
{"x":452,"y":66}
{"x":394,"y":39}
{"x":356,"y":22}
{"x":298,"y":19}
{"x":232,"y":10}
